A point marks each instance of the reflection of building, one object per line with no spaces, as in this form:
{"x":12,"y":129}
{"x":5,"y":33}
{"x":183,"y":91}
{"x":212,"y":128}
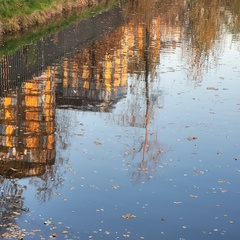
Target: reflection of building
{"x":27,"y":128}
{"x":96,"y":77}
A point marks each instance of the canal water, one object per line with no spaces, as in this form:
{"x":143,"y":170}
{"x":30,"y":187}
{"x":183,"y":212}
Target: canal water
{"x":124,"y":125}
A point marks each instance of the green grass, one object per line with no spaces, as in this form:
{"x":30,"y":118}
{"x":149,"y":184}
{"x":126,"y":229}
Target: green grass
{"x":14,"y":43}
{"x":10,"y":8}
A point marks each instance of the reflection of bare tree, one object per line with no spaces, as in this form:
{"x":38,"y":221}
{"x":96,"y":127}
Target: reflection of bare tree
{"x":53,"y":178}
{"x":206,"y":22}
{"x":150,"y":149}
{"x":47,"y":183}
{"x":11,"y":202}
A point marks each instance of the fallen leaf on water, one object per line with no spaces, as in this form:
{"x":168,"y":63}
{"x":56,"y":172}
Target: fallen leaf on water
{"x":128,"y":153}
{"x":212,"y":88}
{"x":79,"y":134}
{"x":193,"y":196}
{"x":177,"y":202}
{"x":191,"y":138}
{"x":223,"y":190}
{"x":57,"y":193}
{"x":128,"y":216}
{"x":47,"y":222}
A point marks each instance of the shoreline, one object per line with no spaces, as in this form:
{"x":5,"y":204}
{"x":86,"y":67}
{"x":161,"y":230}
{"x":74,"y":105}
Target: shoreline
{"x":23,"y":23}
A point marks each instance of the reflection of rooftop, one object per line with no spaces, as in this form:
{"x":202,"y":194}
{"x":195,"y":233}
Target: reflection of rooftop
{"x":89,"y":104}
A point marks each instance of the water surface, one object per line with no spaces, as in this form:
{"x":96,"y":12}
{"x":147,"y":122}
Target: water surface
{"x":125,"y":125}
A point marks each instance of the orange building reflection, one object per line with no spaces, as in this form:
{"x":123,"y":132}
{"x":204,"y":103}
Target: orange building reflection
{"x":27,"y":128}
{"x":97,"y":76}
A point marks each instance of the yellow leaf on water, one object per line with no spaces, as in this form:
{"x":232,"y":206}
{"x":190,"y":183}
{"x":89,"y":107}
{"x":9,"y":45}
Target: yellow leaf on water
{"x":128,"y":216}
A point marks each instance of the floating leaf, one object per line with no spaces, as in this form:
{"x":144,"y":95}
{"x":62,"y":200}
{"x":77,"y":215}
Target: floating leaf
{"x":193,"y":196}
{"x":47,"y":222}
{"x":79,"y":134}
{"x":191,"y":138}
{"x":57,"y":193}
{"x":128,"y":216}
{"x":128,"y":153}
{"x":212,"y":88}
{"x":177,"y":202}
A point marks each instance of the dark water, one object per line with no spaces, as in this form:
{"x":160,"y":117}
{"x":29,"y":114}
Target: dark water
{"x":125,"y":126}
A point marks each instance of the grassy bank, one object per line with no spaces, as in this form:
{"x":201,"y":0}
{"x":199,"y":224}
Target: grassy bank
{"x":14,"y":42}
{"x":19,"y":15}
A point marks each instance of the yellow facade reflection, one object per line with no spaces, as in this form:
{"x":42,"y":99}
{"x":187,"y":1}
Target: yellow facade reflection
{"x":27,"y":126}
{"x":99,"y":71}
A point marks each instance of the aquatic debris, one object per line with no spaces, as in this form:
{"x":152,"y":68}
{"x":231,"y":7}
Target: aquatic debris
{"x":212,"y":88}
{"x":223,"y":190}
{"x":79,"y":134}
{"x":97,"y":143}
{"x":115,"y":186}
{"x":178,"y":202}
{"x":193,"y":196}
{"x":128,"y":153}
{"x":47,"y":222}
{"x":128,"y":216}
{"x":57,"y":193}
{"x":126,"y":235}
{"x":54,"y":235}
{"x":191,"y":138}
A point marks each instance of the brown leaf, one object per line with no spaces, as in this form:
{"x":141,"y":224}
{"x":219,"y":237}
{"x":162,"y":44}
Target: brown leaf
{"x":191,"y":138}
{"x":128,"y":216}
